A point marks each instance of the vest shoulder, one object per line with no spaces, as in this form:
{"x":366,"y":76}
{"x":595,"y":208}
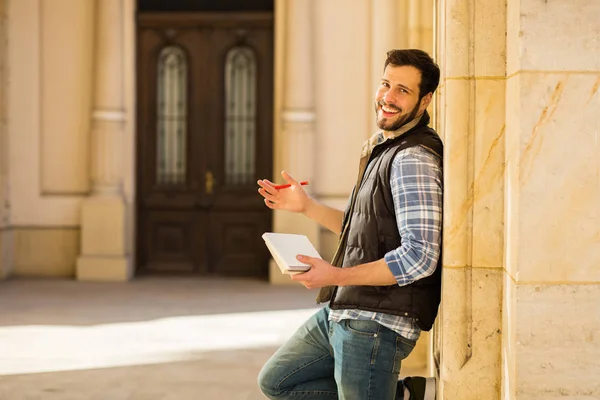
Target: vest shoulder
{"x":424,"y":138}
{"x":420,"y":152}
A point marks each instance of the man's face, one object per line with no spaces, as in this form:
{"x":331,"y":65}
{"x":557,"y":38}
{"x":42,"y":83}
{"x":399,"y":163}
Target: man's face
{"x":397,"y":99}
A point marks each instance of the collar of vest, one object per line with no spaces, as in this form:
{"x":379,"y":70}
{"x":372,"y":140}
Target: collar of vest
{"x":401,"y":133}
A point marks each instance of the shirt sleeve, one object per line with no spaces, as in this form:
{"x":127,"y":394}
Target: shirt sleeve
{"x":417,"y":189}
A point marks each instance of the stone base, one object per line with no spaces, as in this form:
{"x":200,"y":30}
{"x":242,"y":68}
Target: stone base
{"x":103,"y":269}
{"x":103,"y":226}
{"x":42,"y":251}
{"x":103,"y":249}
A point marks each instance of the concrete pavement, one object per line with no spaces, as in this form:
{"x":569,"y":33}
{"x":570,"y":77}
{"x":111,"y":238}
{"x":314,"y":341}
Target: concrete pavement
{"x":149,"y":339}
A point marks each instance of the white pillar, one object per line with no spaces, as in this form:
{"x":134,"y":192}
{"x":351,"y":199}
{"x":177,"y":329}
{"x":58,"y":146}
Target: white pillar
{"x":298,"y":115}
{"x":5,"y":234}
{"x":420,"y":25}
{"x":386,"y":28}
{"x":103,"y":250}
{"x":397,"y":24}
{"x":295,"y":152}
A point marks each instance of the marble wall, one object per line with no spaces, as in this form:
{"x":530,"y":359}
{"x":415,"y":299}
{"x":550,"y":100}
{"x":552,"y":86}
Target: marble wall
{"x":552,"y":251}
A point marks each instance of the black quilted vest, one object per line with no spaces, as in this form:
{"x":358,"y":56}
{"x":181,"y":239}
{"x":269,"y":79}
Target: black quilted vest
{"x":369,"y":231}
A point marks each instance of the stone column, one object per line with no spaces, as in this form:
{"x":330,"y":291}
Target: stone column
{"x":551,"y":317}
{"x":103,"y":253}
{"x":5,"y":234}
{"x":420,"y":25}
{"x":471,"y":52}
{"x":386,"y":29}
{"x":297,"y":116}
{"x":397,"y":24}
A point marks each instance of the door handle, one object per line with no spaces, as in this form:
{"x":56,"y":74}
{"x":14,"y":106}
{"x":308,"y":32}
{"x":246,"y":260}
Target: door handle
{"x":209,"y":182}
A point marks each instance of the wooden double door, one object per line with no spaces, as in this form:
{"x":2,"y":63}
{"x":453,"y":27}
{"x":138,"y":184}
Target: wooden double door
{"x":205,"y":100}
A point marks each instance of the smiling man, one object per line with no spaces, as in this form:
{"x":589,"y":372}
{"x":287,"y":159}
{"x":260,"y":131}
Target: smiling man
{"x":383,"y":285}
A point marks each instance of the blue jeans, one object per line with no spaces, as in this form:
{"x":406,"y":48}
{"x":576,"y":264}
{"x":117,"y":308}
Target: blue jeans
{"x":350,"y":360}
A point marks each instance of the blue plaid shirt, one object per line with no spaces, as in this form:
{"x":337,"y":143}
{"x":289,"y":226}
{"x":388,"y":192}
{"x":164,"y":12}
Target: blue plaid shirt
{"x":417,"y":186}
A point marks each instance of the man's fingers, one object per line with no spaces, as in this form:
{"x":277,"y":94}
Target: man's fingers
{"x":267,"y":185}
{"x":270,"y":204}
{"x":267,"y":195}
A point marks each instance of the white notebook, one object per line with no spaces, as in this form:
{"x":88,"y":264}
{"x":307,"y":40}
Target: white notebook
{"x":284,"y":248}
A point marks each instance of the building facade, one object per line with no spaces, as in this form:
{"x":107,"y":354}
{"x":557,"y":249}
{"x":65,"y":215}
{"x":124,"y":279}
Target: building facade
{"x":131,"y":137}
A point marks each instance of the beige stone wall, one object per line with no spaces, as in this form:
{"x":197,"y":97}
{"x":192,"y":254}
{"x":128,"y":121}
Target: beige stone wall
{"x":552,"y":279}
{"x":32,"y":65}
{"x":53,"y":64}
{"x":45,"y":251}
{"x":66,"y":70}
{"x":47,"y":130}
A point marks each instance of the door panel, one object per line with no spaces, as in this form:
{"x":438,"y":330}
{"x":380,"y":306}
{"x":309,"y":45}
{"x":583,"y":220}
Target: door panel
{"x":202,"y":148}
{"x":234,"y":241}
{"x":175,"y":242}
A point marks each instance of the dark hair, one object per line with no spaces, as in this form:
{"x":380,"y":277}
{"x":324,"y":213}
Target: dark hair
{"x":430,"y":72}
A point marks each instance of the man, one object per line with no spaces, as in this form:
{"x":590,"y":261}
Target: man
{"x":388,"y":287}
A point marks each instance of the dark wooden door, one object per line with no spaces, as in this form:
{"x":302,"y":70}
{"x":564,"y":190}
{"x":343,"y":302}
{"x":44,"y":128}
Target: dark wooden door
{"x":205,"y":100}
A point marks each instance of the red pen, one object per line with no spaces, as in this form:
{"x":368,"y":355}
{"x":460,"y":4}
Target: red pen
{"x":287,"y":185}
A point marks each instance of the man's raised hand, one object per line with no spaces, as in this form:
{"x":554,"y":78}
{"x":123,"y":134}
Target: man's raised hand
{"x":293,"y":199}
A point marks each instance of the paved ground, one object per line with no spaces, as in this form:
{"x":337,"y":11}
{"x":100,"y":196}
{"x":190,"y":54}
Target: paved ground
{"x":150,"y":339}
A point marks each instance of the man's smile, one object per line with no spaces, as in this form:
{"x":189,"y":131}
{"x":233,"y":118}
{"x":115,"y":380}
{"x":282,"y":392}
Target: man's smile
{"x":388,"y":111}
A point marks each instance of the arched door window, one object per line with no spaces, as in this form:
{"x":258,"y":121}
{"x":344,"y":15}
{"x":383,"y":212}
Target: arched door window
{"x":240,"y":116}
{"x":171,"y":116}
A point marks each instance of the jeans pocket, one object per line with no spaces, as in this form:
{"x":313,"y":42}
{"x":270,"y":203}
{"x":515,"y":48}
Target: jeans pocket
{"x":365,"y":328}
{"x":403,"y":348}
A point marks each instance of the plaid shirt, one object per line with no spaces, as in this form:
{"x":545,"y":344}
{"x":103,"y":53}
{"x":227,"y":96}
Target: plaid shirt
{"x":416,"y":182}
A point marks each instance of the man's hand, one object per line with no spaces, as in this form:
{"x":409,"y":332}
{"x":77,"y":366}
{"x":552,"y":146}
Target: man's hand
{"x":296,"y":199}
{"x":293,"y":199}
{"x":321,"y":273}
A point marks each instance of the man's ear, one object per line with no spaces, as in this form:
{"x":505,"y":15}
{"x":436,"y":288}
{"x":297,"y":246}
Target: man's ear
{"x":426,"y":100}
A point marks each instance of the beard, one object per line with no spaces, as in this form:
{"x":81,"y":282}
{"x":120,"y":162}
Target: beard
{"x":388,"y":125}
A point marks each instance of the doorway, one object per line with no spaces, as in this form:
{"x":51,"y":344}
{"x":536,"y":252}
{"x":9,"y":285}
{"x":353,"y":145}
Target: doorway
{"x":204,"y":136}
